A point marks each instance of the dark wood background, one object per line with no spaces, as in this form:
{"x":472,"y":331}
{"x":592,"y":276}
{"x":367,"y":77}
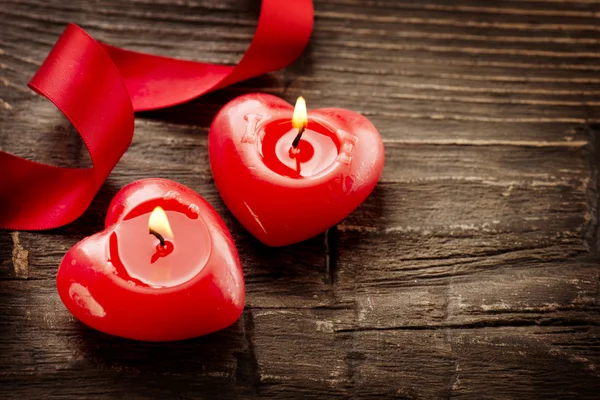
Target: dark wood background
{"x":472,"y":271}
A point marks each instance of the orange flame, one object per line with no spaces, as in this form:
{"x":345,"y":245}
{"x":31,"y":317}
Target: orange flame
{"x":300,"y":118}
{"x":159,"y":223}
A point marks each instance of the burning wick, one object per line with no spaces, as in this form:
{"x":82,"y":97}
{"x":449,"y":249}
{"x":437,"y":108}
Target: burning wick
{"x":158,"y":225}
{"x":158,"y":236}
{"x":297,"y":138}
{"x":299,"y":121}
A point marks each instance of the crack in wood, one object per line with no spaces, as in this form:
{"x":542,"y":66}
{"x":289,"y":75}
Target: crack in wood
{"x":392,"y":19}
{"x":247,"y":370}
{"x":515,"y":323}
{"x":330,"y":254}
{"x":592,"y":232}
{"x":454,"y":381}
{"x":499,"y":10}
{"x":486,"y":142}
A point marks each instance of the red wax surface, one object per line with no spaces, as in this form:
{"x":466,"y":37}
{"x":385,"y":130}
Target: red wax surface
{"x":283,"y":197}
{"x":140,"y":256}
{"x":123,"y":282}
{"x":318,"y":148}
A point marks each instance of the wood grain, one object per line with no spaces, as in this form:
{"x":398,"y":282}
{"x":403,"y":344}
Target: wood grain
{"x":471,"y":271}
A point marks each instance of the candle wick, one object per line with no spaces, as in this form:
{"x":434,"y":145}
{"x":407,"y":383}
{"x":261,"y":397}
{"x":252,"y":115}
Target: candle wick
{"x":158,"y":236}
{"x":298,"y":136}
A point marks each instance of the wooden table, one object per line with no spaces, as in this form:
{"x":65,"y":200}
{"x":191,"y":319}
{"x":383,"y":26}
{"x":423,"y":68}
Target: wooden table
{"x":470,"y":272}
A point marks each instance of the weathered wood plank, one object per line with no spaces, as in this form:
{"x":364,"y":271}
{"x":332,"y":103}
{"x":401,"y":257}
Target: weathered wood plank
{"x":491,"y":363}
{"x":471,"y":271}
{"x":471,"y":294}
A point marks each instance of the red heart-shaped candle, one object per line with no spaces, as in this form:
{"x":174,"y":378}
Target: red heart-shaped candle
{"x":283,"y":197}
{"x":124,"y":282}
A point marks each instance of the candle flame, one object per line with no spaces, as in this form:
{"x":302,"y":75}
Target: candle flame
{"x":159,"y":223}
{"x":300,"y":118}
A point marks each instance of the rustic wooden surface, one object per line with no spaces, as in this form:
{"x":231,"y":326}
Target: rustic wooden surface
{"x":472,"y":271}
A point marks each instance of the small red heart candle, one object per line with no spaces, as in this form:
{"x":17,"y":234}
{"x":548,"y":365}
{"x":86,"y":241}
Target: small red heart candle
{"x":164,"y":268}
{"x":288,"y":175}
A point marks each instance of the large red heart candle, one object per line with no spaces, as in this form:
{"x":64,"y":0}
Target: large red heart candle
{"x":285,"y":187}
{"x":164,"y":268}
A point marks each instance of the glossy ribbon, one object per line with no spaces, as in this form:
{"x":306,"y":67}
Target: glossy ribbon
{"x":99,"y":87}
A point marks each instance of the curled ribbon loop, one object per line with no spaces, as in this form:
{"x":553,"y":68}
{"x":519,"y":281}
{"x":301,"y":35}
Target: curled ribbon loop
{"x":98,"y":87}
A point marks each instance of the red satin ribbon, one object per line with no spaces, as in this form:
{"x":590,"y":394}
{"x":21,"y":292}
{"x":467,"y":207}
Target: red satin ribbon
{"x":98,"y":87}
